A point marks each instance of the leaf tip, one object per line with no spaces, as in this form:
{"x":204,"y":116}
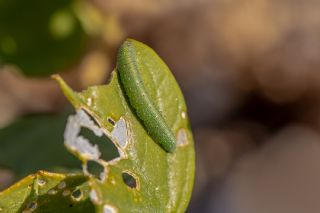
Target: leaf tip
{"x":66,"y":89}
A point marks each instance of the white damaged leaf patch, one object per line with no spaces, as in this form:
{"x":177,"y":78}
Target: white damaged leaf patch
{"x":82,"y":147}
{"x":77,"y":143}
{"x":119,"y":133}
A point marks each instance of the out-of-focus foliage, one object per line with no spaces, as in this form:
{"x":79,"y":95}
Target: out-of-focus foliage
{"x":32,"y":144}
{"x":40,"y":37}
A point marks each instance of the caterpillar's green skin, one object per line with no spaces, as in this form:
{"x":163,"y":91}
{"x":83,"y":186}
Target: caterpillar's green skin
{"x":128,"y":67}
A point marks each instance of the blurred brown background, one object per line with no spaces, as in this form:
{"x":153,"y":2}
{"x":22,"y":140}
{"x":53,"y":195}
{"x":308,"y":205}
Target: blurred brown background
{"x":249,"y":70}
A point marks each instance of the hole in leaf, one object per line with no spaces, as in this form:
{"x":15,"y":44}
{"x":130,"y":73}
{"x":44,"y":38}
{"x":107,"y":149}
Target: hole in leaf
{"x":76,"y":195}
{"x":95,"y":168}
{"x":41,"y":182}
{"x":108,"y":150}
{"x":32,"y":206}
{"x":111,"y":121}
{"x":129,"y":180}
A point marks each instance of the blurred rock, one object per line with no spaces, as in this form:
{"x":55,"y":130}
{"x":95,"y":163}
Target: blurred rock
{"x":281,"y":177}
{"x":136,"y":17}
{"x":216,"y":151}
{"x":20,"y":95}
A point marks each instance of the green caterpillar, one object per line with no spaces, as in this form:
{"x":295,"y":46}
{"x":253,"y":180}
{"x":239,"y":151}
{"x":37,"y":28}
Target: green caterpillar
{"x":129,"y":68}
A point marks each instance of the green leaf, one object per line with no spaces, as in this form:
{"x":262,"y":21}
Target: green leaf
{"x":47,"y":192}
{"x":145,"y":178}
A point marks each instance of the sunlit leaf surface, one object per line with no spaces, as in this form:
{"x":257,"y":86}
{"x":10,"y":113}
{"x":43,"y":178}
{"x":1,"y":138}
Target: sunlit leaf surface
{"x":47,"y":192}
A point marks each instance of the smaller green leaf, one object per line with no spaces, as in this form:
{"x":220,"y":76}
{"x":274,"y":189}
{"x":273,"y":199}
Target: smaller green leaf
{"x":47,"y":192}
